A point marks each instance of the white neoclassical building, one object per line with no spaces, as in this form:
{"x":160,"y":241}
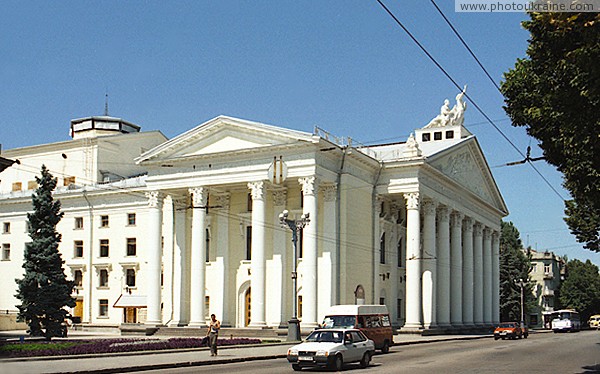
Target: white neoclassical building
{"x":165,"y":232}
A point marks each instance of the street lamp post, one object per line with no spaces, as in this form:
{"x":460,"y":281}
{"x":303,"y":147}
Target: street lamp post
{"x":521,"y":284}
{"x":295,"y":226}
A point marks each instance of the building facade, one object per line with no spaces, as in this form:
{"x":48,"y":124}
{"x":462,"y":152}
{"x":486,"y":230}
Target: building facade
{"x":165,"y":232}
{"x":547,"y":273}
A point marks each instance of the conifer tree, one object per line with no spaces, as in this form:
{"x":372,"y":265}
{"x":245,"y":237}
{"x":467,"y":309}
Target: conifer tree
{"x":514,"y":266}
{"x":44,"y":290}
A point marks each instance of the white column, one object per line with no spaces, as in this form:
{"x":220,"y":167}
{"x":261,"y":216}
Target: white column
{"x":443,"y":266}
{"x":496,"y":277}
{"x":456,"y":266}
{"x":282,"y":289}
{"x":154,"y":250}
{"x":198,"y":257}
{"x":478,"y":274}
{"x":257,"y":263}
{"x":310,"y":252}
{"x":377,"y":249}
{"x":328,"y":290}
{"x":487,"y":277}
{"x":180,"y":271}
{"x":222,"y":246}
{"x":393,"y":297}
{"x":468,"y":276}
{"x":429,"y":264}
{"x":413,"y":262}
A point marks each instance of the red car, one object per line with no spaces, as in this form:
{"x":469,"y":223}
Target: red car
{"x":511,"y":330}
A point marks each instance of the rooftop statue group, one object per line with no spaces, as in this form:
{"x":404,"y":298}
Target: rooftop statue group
{"x":451,"y":117}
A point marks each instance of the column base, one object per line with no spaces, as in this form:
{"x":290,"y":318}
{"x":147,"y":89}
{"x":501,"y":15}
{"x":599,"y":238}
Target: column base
{"x":414,"y":328}
{"x":197,"y":325}
{"x":259,"y":325}
{"x":176,"y":324}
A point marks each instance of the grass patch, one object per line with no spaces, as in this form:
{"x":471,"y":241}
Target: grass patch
{"x":35,"y":346}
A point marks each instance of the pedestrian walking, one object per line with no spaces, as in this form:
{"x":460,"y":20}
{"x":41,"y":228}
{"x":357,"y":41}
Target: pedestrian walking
{"x":213,"y":334}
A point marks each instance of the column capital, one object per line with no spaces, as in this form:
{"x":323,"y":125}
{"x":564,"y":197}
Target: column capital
{"x":477,"y":229}
{"x":429,"y":207}
{"x":309,"y":185}
{"x":456,"y":218}
{"x":495,"y":235}
{"x":280,"y":197}
{"x":154,"y":198}
{"x":443,"y":213}
{"x":487,"y":233}
{"x":468,"y":224}
{"x":257,"y":189}
{"x":199,"y":196}
{"x":329,"y":192}
{"x":412,"y":200}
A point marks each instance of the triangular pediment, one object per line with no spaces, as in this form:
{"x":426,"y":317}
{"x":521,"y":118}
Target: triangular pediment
{"x":224,"y":135}
{"x":465,"y":164}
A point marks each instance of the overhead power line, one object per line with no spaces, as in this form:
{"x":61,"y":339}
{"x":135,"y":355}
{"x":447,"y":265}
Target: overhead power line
{"x":451,"y":79}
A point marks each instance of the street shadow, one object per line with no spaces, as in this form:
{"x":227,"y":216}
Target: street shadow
{"x":595,"y":369}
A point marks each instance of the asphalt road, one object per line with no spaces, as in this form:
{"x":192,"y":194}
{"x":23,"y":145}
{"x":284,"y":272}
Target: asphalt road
{"x":540,"y":353}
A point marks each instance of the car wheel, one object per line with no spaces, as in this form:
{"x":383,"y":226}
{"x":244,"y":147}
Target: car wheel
{"x":525,"y":336}
{"x":366,"y":359}
{"x":386,"y":347}
{"x":496,"y":338}
{"x":337,"y":363}
{"x":296,"y":367}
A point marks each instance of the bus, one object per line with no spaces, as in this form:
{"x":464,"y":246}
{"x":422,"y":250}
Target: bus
{"x":565,"y":320}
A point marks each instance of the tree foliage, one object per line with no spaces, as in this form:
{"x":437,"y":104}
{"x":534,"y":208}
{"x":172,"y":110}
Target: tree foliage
{"x":581,"y":288}
{"x":44,"y":289}
{"x":514,"y":266}
{"x":555,"y":94}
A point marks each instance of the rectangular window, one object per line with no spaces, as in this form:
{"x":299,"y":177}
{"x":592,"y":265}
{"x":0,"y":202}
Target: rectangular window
{"x":103,"y":221}
{"x":206,"y":307}
{"x":249,"y":202}
{"x":131,"y":219}
{"x":130,"y":278}
{"x":78,"y":278}
{"x":382,"y":301}
{"x":207,"y":245}
{"x":534,"y":268}
{"x":103,"y":281}
{"x":382,"y":249}
{"x":32,"y":185}
{"x":426,"y":137}
{"x":103,"y":247}
{"x":5,"y":252}
{"x":78,"y":223}
{"x":248,"y":242}
{"x":103,"y":307}
{"x":437,"y":135}
{"x":546,"y":268}
{"x":131,"y":247}
{"x":399,"y":253}
{"x":6,"y":228}
{"x":399,"y":308}
{"x":78,"y":248}
{"x":450,"y":134}
{"x":299,"y":306}
{"x":17,"y":186}
{"x":300,"y":243}
{"x":69,"y":181}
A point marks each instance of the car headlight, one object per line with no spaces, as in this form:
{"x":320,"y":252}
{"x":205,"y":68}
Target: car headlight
{"x":322,"y":353}
{"x":292,"y":352}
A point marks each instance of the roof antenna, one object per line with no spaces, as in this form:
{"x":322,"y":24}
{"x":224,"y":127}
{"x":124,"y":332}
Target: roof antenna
{"x":106,"y":105}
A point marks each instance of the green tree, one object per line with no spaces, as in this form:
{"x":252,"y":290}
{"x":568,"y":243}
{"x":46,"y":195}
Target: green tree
{"x":514,"y":266}
{"x":581,"y":288}
{"x":44,"y":290}
{"x":555,"y":94}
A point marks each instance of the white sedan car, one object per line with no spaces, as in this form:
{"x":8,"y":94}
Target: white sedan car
{"x":332,"y":348}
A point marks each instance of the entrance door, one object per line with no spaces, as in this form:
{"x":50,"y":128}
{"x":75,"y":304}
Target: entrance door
{"x":78,"y":311}
{"x":247,"y":307}
{"x":130,"y":315}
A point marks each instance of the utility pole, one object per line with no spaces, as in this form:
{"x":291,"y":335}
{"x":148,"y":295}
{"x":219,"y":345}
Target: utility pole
{"x":521,"y":284}
{"x":296,"y":226}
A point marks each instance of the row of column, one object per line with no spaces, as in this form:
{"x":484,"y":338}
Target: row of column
{"x":452,"y":268}
{"x":258,"y":261}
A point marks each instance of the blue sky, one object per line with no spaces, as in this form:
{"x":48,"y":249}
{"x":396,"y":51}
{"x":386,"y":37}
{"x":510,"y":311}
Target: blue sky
{"x":342,"y":65}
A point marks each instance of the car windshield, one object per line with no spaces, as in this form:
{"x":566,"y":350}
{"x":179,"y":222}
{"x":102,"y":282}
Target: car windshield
{"x":325,"y":336}
{"x":507,"y":325}
{"x":339,"y":321}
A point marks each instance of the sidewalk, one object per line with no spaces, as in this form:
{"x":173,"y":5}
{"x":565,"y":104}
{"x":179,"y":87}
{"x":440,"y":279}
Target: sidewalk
{"x":130,"y":361}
